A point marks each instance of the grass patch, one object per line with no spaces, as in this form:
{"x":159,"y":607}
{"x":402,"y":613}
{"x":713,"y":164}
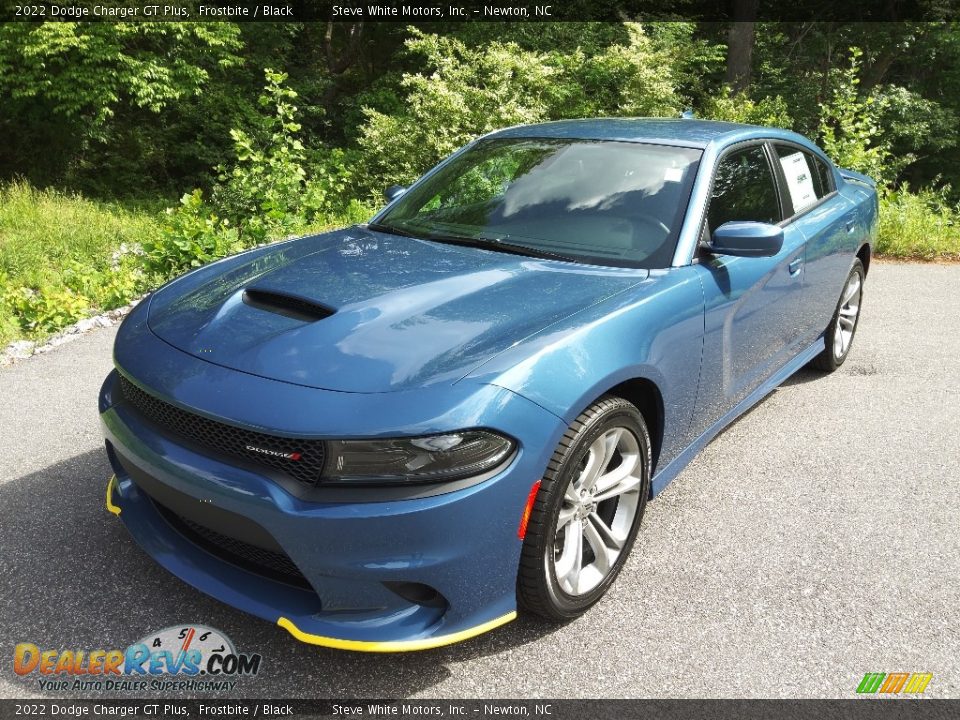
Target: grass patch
{"x":57,"y":258}
{"x":42,"y":231}
{"x":919,"y":225}
{"x":61,"y":259}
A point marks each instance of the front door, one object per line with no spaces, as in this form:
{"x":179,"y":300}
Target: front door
{"x":754,"y":311}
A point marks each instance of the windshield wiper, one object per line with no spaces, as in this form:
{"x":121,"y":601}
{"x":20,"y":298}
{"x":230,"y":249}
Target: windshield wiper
{"x":487,"y":243}
{"x":390,"y":230}
{"x":499,"y":245}
{"x":517,"y":249}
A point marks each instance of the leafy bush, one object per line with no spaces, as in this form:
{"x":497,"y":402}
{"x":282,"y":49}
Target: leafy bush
{"x":328,"y":189}
{"x":850,"y":130}
{"x":468,"y":91}
{"x":192,"y":236}
{"x":125,"y":282}
{"x":919,"y":224}
{"x":740,"y":108}
{"x":45,"y":309}
{"x":267,"y":194}
{"x":91,"y":90}
{"x":262,"y":192}
{"x":465,"y":93}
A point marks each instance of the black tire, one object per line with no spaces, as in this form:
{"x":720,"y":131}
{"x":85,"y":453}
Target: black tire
{"x":829,"y":360}
{"x":538,"y":590}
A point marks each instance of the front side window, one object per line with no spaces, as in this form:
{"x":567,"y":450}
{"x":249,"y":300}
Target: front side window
{"x":608,"y":203}
{"x":744,"y":189}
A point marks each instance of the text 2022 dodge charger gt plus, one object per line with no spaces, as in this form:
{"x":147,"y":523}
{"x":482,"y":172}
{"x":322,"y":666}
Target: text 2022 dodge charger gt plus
{"x":392,"y":436}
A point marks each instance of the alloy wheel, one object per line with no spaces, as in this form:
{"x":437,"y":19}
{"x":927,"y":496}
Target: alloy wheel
{"x":597,"y":513}
{"x":847,"y":315}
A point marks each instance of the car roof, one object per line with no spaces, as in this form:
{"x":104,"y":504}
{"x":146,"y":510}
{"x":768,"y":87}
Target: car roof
{"x":661,"y":131}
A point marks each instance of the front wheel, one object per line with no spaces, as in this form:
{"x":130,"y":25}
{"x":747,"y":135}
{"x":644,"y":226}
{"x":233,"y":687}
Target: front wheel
{"x":587,"y":513}
{"x":839,"y":335}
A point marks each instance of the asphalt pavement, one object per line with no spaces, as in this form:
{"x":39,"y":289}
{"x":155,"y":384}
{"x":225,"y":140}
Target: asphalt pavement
{"x":815,"y":540}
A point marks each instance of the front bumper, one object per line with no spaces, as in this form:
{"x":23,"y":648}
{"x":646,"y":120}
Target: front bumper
{"x":462,"y":544}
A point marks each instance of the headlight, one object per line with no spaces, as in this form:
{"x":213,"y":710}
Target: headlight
{"x":434,"y":458}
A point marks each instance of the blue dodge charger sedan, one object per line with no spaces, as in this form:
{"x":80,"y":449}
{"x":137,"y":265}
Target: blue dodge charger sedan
{"x":391,"y":437}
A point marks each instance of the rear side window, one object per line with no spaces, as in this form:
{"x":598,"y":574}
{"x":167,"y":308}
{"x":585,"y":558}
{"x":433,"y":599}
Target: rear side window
{"x":807,"y":176}
{"x":744,"y":189}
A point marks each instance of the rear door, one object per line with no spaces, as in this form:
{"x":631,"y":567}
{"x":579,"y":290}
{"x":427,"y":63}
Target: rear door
{"x":827,"y":221}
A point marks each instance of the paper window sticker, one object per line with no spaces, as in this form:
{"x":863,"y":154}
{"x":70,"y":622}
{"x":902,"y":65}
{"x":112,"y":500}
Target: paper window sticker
{"x":673,"y":175}
{"x":799,"y":180}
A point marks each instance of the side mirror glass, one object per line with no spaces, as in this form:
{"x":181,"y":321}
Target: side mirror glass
{"x":746,"y":239}
{"x":393,"y":192}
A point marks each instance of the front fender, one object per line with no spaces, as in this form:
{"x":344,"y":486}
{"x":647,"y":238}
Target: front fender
{"x":654,"y":332}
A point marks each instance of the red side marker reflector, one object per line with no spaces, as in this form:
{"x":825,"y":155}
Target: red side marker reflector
{"x":527,"y":509}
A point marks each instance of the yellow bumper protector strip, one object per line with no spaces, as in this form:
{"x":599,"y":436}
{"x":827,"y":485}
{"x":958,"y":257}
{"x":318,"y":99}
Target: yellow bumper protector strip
{"x":110,"y":506}
{"x":394,"y":645}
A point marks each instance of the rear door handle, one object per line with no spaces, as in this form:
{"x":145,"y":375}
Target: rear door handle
{"x":794,"y":267}
{"x":851,"y":226}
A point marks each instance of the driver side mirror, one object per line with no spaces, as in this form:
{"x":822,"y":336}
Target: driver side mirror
{"x":746,"y":239}
{"x":393,"y":192}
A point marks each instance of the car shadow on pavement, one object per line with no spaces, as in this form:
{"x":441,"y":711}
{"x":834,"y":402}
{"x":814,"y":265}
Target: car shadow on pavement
{"x":74,"y":579}
{"x":803,"y":375}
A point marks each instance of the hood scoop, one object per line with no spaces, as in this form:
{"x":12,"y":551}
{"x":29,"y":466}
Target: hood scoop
{"x":287,"y":304}
{"x":353,"y":311}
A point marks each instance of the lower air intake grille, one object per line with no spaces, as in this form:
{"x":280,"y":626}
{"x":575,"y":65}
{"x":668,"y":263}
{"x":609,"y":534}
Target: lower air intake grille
{"x":269,"y":563}
{"x":301,"y":459}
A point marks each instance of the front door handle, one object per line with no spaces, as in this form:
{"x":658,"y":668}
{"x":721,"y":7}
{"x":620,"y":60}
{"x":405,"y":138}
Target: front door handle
{"x":794,"y":267}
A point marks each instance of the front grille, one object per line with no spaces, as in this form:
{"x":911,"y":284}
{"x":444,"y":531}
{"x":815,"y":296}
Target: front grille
{"x":229,"y":439}
{"x":269,"y":563}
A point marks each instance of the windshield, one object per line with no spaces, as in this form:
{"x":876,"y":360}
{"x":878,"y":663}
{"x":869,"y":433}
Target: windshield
{"x":607,"y":203}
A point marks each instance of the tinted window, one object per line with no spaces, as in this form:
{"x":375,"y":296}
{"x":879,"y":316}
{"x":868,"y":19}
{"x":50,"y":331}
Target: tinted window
{"x":807,"y":177}
{"x":826,"y":175}
{"x":613,"y":203}
{"x":743,"y":189}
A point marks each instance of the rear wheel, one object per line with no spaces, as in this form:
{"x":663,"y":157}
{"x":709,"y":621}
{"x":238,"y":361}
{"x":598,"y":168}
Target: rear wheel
{"x":587,"y":513}
{"x":843,"y":326}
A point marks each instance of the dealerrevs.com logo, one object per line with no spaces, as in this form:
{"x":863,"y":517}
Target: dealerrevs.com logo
{"x":181,"y":657}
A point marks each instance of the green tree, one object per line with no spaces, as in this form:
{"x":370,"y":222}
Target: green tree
{"x":849,"y":125}
{"x":88,"y":69}
{"x":465,"y":91}
{"x":62,"y":85}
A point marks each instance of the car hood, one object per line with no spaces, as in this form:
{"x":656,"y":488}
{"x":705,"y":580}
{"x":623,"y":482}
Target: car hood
{"x":359,"y":311}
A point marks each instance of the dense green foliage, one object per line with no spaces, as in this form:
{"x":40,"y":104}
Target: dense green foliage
{"x":61,"y":255}
{"x":264,"y":131}
{"x":463,"y":91}
{"x":923,"y":225}
{"x":141,"y":109}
